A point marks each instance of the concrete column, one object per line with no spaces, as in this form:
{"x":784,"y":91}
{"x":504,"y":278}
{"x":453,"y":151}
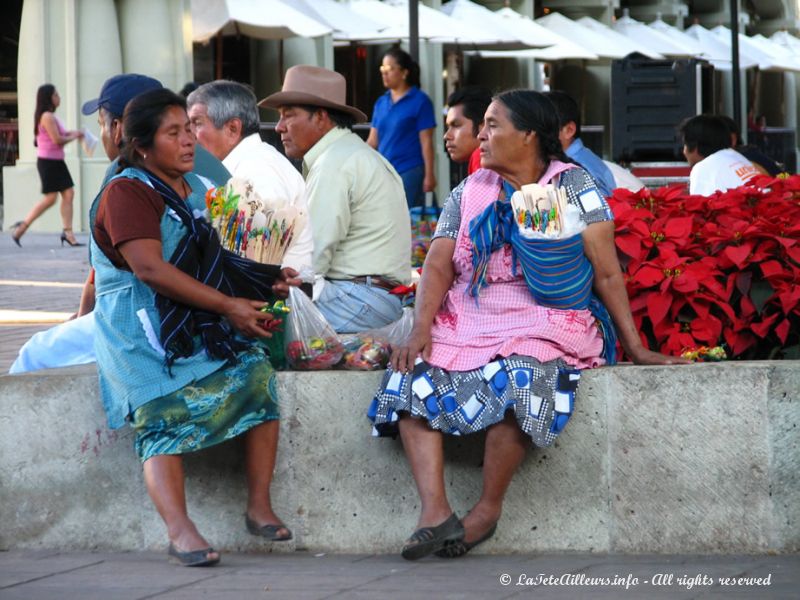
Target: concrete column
{"x":154,"y":41}
{"x":99,"y":52}
{"x":316,"y":51}
{"x":99,"y":57}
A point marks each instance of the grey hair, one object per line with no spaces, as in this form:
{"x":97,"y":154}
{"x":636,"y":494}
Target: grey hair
{"x":225,"y":100}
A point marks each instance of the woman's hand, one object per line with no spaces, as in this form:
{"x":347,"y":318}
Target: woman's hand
{"x":426,"y":145}
{"x":247,"y":318}
{"x":429,"y":183}
{"x":404,"y":357}
{"x":289,"y":277}
{"x":643,"y":356}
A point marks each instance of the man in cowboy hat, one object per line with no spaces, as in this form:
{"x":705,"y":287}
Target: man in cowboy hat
{"x":360,"y":222}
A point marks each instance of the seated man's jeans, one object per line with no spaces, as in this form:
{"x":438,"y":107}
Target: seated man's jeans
{"x":352,"y":307}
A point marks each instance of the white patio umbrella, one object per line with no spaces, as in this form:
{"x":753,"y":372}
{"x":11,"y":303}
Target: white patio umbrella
{"x":766,"y":61}
{"x":638,"y":31}
{"x":774,"y":48}
{"x":347,"y":24}
{"x":683,"y":40}
{"x":563,"y":51}
{"x":263,"y":19}
{"x":619,"y":40}
{"x":719,"y":53}
{"x":587,"y":38}
{"x":434,"y":26}
{"x":787,"y":40}
{"x":521,"y":31}
{"x":530,"y":29}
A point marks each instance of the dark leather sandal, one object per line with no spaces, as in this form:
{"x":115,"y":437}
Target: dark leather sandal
{"x":427,"y":540}
{"x":460,"y":547}
{"x":269,"y":531}
{"x":193,"y":558}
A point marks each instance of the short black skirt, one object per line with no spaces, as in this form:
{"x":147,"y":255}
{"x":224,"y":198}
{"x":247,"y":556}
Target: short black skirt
{"x":54,"y":175}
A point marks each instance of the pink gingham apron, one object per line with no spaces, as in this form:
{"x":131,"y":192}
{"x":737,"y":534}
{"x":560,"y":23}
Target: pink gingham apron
{"x":506,"y":320}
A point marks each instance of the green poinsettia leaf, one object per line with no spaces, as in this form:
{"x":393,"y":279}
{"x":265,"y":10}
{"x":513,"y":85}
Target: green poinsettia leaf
{"x":760,"y":292}
{"x":791,"y":352}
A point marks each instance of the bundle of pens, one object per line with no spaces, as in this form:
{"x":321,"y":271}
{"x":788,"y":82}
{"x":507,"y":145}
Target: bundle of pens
{"x":544,"y":211}
{"x":549,"y":247}
{"x":256,"y":228}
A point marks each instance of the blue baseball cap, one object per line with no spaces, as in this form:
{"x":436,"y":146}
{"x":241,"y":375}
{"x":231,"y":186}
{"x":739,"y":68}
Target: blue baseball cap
{"x":118,"y":91}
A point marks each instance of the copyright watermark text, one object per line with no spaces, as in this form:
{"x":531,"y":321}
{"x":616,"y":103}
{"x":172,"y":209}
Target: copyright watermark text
{"x":629,"y":581}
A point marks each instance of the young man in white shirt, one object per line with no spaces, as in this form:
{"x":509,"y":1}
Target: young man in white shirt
{"x":715,"y":165}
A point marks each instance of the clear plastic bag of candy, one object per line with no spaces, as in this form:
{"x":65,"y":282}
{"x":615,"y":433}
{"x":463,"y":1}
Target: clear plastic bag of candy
{"x":311,"y":343}
{"x":371,"y":350}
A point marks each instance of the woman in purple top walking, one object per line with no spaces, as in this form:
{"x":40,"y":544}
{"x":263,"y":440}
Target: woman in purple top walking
{"x":402,"y":126}
{"x":50,"y":138}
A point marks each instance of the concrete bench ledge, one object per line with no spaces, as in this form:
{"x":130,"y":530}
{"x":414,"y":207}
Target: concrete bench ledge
{"x":697,"y":459}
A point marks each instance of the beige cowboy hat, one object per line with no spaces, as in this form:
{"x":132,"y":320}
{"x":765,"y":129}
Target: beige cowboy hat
{"x":315,"y":86}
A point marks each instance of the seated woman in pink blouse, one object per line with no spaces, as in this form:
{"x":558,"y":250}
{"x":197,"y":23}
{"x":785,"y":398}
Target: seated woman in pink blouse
{"x":483,"y":353}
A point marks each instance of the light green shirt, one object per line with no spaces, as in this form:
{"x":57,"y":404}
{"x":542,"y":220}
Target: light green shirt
{"x":358,"y":210}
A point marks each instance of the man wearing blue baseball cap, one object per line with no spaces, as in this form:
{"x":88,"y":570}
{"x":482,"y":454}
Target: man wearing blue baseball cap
{"x":114,"y":95}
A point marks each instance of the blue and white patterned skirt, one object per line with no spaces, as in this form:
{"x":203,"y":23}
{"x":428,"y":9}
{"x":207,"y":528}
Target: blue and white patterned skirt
{"x":541,"y":396}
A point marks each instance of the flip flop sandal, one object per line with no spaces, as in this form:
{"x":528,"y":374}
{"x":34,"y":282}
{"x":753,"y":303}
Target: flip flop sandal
{"x":460,"y":547}
{"x":269,"y":531}
{"x":194,"y":558}
{"x":426,"y":540}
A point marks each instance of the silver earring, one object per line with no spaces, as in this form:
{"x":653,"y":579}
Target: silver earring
{"x":144,"y":156}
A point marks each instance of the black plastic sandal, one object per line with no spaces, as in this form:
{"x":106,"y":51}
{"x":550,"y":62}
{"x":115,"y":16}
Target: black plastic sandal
{"x":427,"y":540}
{"x":460,"y":547}
{"x":269,"y":531}
{"x":193,"y":558}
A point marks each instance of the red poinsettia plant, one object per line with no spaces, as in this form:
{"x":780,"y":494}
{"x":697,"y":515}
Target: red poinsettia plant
{"x":717,"y":270}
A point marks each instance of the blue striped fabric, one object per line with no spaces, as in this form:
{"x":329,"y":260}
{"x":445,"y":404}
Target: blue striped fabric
{"x":200,"y":255}
{"x":556,"y":271}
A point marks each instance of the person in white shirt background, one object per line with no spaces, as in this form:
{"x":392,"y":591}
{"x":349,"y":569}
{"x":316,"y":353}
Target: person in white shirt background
{"x":715,"y":165}
{"x":225,"y":119}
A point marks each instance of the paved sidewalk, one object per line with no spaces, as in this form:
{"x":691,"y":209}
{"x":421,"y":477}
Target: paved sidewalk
{"x":40,"y":284}
{"x":304,"y":576}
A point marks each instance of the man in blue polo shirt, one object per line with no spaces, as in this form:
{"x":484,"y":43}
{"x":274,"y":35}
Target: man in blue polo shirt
{"x":569,"y":134}
{"x":403,"y":123}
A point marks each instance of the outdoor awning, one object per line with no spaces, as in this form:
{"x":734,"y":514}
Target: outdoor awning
{"x":592,"y":41}
{"x":565,"y":51}
{"x":514,"y":30}
{"x":262,"y":19}
{"x":681,"y":39}
{"x":347,"y":24}
{"x":659,"y":42}
{"x":717,"y":51}
{"x":620,"y":41}
{"x":774,"y":48}
{"x":767,"y":60}
{"x":787,"y":40}
{"x":434,"y":26}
